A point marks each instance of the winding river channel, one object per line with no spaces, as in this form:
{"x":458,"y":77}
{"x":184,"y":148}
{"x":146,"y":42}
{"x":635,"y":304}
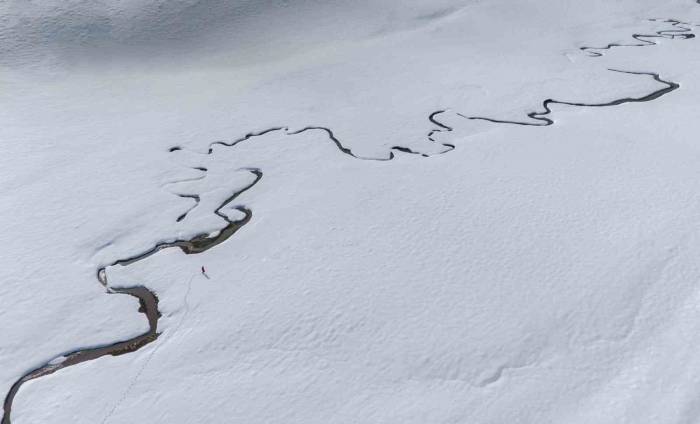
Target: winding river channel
{"x":201,"y":243}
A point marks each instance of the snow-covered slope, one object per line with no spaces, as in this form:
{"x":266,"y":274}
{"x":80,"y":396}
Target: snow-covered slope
{"x":419,"y":249}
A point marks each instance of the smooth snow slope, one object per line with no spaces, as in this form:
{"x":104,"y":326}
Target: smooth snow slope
{"x":532,"y":274}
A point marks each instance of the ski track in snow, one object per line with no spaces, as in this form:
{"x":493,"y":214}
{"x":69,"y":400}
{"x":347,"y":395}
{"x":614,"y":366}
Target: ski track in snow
{"x":203,"y":242}
{"x":150,"y":355}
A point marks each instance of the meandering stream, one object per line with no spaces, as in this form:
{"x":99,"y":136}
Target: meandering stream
{"x":203,"y":242}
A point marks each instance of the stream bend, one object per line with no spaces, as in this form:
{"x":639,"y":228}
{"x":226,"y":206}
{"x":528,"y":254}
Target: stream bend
{"x":148,"y":300}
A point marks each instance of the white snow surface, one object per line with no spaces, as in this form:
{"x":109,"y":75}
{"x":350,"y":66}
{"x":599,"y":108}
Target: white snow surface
{"x":532,"y":274}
